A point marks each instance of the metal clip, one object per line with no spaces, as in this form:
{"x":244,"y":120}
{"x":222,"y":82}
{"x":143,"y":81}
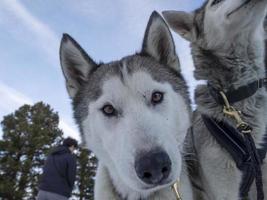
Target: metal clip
{"x":234,"y":113}
{"x":175,"y":188}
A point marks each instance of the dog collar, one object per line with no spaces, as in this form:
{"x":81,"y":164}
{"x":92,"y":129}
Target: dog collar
{"x":239,"y":94}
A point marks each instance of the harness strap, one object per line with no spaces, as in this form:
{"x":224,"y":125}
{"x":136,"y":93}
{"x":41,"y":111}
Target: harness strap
{"x":253,"y":155}
{"x":240,"y":150}
{"x":229,"y":139}
{"x":256,"y":165}
{"x":235,"y":95}
{"x":247,"y":180}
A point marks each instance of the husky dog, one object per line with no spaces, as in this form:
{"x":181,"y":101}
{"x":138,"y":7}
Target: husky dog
{"x":133,"y":114}
{"x":227,"y":42}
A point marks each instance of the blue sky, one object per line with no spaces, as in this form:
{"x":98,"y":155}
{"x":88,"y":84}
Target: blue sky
{"x":107,"y":29}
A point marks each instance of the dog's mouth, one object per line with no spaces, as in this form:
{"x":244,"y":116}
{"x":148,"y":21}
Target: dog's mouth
{"x":156,"y":187}
{"x":238,"y":8}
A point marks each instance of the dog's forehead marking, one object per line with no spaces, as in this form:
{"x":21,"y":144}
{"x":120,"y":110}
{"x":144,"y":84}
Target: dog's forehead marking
{"x":138,"y":83}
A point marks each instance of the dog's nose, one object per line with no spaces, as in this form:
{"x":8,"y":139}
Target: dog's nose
{"x":153,"y":167}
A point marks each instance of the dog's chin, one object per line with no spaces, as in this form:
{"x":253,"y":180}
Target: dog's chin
{"x":149,"y":189}
{"x":238,"y":8}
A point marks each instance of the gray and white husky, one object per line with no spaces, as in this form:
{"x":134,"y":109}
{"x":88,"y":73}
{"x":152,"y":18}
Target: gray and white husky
{"x":133,"y":114}
{"x":227,"y":42}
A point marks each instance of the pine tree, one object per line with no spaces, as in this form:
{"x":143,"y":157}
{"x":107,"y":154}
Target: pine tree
{"x":86,"y":169}
{"x":28,"y":134}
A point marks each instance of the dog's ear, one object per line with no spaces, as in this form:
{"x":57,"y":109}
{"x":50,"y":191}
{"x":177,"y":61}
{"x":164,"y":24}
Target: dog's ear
{"x":158,"y":42}
{"x":76,"y":64}
{"x":180,"y":22}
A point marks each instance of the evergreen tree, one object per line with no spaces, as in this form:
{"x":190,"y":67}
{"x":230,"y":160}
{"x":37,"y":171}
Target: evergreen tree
{"x":28,"y":134}
{"x":86,"y":169}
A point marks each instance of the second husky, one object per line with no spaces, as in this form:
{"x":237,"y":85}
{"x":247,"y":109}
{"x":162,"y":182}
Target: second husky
{"x":227,"y":41}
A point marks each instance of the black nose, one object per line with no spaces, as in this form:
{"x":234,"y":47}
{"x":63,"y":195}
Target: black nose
{"x":153,"y":167}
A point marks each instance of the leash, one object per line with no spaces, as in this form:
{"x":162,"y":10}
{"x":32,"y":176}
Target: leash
{"x":238,"y":142}
{"x":234,"y":143}
{"x":240,"y":146}
{"x":246,"y":131}
{"x":175,"y":188}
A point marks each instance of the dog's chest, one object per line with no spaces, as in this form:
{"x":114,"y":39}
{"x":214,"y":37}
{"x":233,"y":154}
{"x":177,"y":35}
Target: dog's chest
{"x":209,"y":150}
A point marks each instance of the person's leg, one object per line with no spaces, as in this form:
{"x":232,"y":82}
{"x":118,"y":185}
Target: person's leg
{"x":54,"y":196}
{"x":41,"y":195}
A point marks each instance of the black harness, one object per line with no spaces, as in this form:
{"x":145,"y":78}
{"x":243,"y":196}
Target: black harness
{"x":242,"y":149}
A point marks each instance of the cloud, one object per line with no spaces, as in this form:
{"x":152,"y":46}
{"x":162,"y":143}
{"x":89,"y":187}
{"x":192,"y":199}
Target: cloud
{"x":68,"y":130}
{"x":134,"y":21}
{"x":129,"y":20}
{"x":14,"y":14}
{"x":12,"y":99}
{"x":25,"y":26}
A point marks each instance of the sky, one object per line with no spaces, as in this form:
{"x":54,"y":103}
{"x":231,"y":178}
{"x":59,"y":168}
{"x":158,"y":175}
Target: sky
{"x":30,"y":34}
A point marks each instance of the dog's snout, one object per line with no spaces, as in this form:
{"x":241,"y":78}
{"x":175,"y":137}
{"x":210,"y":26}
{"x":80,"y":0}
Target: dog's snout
{"x":153,"y":167}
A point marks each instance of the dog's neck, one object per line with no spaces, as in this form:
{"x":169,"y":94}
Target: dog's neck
{"x":240,"y":65}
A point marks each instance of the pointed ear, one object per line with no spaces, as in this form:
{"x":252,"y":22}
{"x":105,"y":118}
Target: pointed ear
{"x":76,"y":64}
{"x":180,"y":22}
{"x":158,"y":42}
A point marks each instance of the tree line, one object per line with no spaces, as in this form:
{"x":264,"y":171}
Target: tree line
{"x":29,"y":134}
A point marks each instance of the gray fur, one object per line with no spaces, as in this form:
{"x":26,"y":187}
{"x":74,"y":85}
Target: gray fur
{"x":228,"y":61}
{"x":76,"y":64}
{"x":157,"y":60}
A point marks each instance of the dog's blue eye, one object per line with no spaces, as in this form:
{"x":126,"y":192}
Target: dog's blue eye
{"x":215,"y":2}
{"x":157,"y":97}
{"x":109,"y":110}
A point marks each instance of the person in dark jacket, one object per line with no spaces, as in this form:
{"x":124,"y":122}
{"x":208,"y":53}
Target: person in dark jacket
{"x":59,"y":172}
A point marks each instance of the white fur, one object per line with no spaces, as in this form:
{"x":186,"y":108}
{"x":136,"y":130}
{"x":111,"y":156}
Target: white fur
{"x":139,"y":128}
{"x":105,"y":190}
